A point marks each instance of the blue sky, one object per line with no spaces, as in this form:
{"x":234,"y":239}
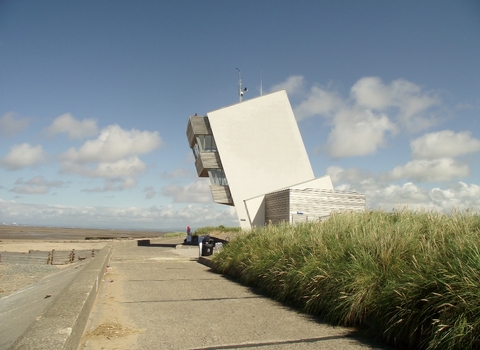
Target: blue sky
{"x":95,"y":97}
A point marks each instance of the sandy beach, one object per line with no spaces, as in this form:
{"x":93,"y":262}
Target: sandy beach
{"x":16,"y":273}
{"x":59,"y":233}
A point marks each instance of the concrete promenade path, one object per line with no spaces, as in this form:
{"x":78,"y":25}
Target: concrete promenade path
{"x":159,"y":297}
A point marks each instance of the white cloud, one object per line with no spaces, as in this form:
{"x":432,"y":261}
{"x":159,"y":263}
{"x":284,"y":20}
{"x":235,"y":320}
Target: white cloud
{"x":41,"y":181}
{"x":113,"y":144}
{"x":112,"y":156}
{"x":358,"y":133}
{"x":444,"y":143}
{"x":177,"y":173}
{"x":460,"y":196}
{"x":30,"y":189}
{"x":362,"y":122}
{"x":36,"y":185}
{"x":335,"y":173}
{"x":195,"y":192}
{"x":408,"y":98}
{"x":23,"y":155}
{"x":429,"y":170}
{"x":352,"y":179}
{"x":10,"y":125}
{"x":149,"y":192}
{"x":158,"y":218}
{"x":293,"y":85}
{"x":130,"y":167}
{"x":385,"y":196}
{"x":117,"y":184}
{"x":75,"y":128}
{"x":319,"y":102}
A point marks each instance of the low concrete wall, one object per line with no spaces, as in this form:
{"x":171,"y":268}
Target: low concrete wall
{"x":63,"y":323}
{"x":206,"y":261}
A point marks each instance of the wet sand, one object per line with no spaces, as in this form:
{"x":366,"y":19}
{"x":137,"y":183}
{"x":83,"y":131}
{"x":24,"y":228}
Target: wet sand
{"x":59,"y":233}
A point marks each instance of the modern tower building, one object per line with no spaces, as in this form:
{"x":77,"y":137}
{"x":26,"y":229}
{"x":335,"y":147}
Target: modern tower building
{"x":254,"y":155}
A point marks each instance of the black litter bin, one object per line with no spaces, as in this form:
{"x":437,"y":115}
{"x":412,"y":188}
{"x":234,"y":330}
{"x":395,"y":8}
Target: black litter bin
{"x":207,"y":246}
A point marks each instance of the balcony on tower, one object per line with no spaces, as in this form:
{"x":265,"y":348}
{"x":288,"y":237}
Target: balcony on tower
{"x":207,"y":158}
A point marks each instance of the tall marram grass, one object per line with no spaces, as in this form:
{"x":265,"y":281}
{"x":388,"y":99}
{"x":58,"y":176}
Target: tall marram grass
{"x":414,"y":277}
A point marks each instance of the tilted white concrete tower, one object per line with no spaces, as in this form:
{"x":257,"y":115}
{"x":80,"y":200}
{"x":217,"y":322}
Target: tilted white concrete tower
{"x":249,"y":150}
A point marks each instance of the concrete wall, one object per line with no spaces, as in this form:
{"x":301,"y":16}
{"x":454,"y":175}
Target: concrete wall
{"x":62,"y":325}
{"x":256,"y":211}
{"x":260,"y":148}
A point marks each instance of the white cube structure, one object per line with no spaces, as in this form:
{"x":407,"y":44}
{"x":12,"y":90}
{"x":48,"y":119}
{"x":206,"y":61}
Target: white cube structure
{"x":250,"y":149}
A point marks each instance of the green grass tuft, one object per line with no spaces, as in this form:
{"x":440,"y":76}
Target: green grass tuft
{"x":212,"y":230}
{"x":411,"y":276}
{"x":174,"y":234}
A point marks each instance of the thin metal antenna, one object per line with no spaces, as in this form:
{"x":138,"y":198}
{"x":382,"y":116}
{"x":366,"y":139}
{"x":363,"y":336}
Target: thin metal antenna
{"x":261,"y":82}
{"x":241,"y":90}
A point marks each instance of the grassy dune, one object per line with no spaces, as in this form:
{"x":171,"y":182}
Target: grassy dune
{"x":413,"y":277}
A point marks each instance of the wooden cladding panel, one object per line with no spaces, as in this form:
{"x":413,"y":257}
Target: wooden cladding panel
{"x":201,"y":170}
{"x":197,"y":126}
{"x":221,"y":195}
{"x":295,"y":205}
{"x":211,"y":160}
{"x":277,"y":206}
{"x":205,"y":161}
{"x":320,"y":203}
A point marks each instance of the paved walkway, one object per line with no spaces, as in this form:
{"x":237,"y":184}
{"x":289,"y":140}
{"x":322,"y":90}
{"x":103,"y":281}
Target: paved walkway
{"x":159,"y":297}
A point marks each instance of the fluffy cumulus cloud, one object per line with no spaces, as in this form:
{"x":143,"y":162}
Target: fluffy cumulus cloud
{"x":446,"y":143}
{"x":24,"y":155}
{"x":357,"y":133}
{"x":130,"y":166}
{"x":362,"y":122}
{"x":293,"y":85}
{"x":407,"y":98}
{"x":435,"y":157}
{"x":429,"y":170}
{"x":461,"y":196}
{"x":352,"y":179}
{"x":36,"y":185}
{"x":75,"y":129}
{"x":319,"y":102}
{"x":383,"y":195}
{"x":113,"y":155}
{"x":112,"y":144}
{"x":11,"y":124}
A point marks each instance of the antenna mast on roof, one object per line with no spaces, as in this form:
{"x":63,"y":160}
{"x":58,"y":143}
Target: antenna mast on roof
{"x":261,"y":82}
{"x":241,"y":90}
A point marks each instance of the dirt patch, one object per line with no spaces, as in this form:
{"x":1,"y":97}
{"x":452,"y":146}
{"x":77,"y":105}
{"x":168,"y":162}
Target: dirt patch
{"x":113,"y":330}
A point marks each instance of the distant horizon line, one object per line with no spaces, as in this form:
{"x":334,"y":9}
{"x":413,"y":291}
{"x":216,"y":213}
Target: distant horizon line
{"x":166,"y":230}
